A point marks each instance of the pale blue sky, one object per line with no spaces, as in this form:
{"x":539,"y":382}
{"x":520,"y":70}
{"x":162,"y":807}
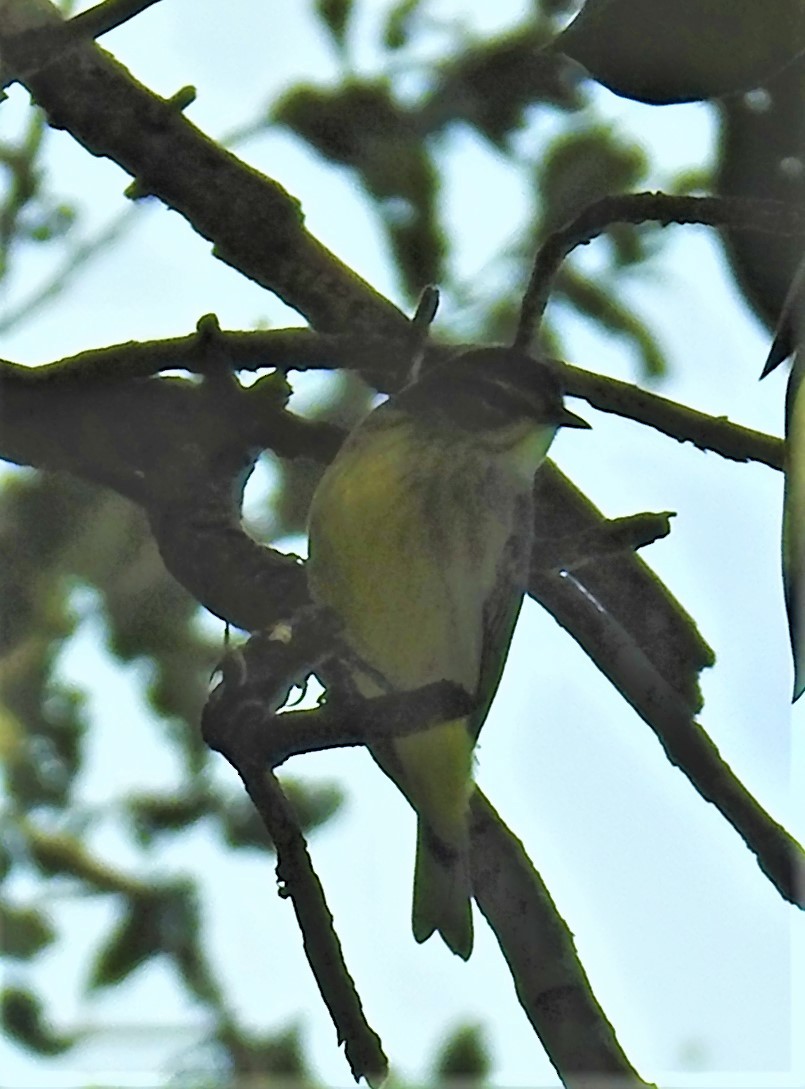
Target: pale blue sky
{"x":695,"y":959}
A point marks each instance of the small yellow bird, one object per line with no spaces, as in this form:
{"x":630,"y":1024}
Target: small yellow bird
{"x":420,"y":538}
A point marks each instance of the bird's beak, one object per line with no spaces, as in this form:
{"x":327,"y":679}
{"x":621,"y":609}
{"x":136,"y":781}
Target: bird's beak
{"x":566,"y":418}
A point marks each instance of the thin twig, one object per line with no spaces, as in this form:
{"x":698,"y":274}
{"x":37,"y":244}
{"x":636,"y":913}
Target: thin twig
{"x":715,"y":433}
{"x":300,"y":884}
{"x":765,"y":216}
{"x":608,"y":537}
{"x":106,"y":16}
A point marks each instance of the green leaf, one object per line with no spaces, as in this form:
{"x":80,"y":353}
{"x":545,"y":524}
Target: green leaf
{"x":335,"y":14}
{"x":490,"y":84}
{"x":24,"y":932}
{"x":582,"y":167}
{"x":361,"y":125}
{"x":138,"y":936}
{"x":257,"y":1057}
{"x":22,"y":1018}
{"x":156,"y":814}
{"x":312,"y":806}
{"x":465,"y":1057}
{"x":399,"y":24}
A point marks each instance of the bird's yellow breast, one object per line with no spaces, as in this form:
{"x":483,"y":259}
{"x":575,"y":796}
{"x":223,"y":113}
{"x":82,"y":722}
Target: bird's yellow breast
{"x":406,"y":534}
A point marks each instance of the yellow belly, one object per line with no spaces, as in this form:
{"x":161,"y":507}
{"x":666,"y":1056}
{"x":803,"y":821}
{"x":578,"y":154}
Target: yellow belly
{"x":405,"y":544}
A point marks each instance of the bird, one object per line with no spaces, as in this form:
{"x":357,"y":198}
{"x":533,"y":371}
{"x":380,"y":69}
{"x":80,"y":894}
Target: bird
{"x":419,"y":539}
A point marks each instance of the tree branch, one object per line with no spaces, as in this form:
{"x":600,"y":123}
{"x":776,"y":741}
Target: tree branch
{"x":239,"y":722}
{"x":765,"y":216}
{"x":551,"y":984}
{"x":679,"y":422}
{"x":106,"y":16}
{"x":302,"y":349}
{"x":619,"y":655}
{"x":299,"y":883}
{"x":258,"y":229}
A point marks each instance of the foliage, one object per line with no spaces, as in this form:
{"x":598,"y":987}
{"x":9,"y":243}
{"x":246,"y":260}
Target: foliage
{"x":75,"y":552}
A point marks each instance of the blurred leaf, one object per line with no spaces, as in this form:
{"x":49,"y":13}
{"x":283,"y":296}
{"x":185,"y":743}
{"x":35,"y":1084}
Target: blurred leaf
{"x":275,"y":1056}
{"x":157,"y":920}
{"x":362,"y":126}
{"x":182,"y":941}
{"x":398,"y":27}
{"x":335,"y":14}
{"x":463,"y":1058}
{"x":24,"y":932}
{"x":662,"y":51}
{"x":242,"y":826}
{"x":22,"y":1018}
{"x":490,"y":84}
{"x":53,"y":223}
{"x":42,"y":721}
{"x":695,"y":179}
{"x":762,"y":155}
{"x":58,"y":854}
{"x":582,"y":167}
{"x":154,"y":814}
{"x":6,"y":861}
{"x":312,"y":805}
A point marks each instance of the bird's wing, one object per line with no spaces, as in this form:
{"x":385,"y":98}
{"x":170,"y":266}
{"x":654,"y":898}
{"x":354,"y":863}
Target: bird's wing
{"x":501,"y":610}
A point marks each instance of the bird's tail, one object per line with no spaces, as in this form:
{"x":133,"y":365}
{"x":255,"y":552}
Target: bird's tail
{"x":442,"y":891}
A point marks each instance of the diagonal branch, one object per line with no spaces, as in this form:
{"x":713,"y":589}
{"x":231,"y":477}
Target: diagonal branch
{"x":551,"y":984}
{"x":256,"y":226}
{"x":106,"y":16}
{"x":299,"y":883}
{"x":549,"y":978}
{"x":715,"y":433}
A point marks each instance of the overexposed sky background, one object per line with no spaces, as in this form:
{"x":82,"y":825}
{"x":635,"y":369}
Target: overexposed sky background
{"x":694,"y":957}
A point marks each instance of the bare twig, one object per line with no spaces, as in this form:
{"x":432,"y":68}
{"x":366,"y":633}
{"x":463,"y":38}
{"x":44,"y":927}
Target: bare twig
{"x":766,"y":216}
{"x":608,"y":537}
{"x":106,"y":16}
{"x":715,"y":433}
{"x":300,"y":884}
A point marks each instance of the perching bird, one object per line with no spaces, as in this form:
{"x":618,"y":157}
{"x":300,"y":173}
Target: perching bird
{"x":420,"y":538}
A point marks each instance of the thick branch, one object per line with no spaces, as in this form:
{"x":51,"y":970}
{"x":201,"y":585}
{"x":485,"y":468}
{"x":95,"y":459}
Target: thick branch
{"x":621,"y":659}
{"x":301,"y":349}
{"x":254,"y":223}
{"x":549,"y":978}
